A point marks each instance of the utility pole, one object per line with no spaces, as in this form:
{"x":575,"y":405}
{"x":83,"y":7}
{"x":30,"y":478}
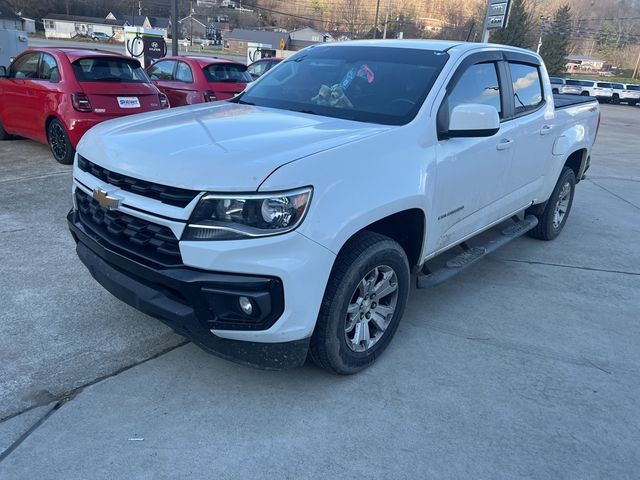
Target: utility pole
{"x":543,"y":20}
{"x":191,"y":23}
{"x":174,"y":28}
{"x":375,"y":25}
{"x":637,"y":69}
{"x":386,"y":19}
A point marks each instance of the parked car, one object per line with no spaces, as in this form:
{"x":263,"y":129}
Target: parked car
{"x":593,"y":89}
{"x":54,"y":95}
{"x":260,"y":67}
{"x":100,"y":37}
{"x":623,"y":94}
{"x":288,"y":219}
{"x":190,"y":80}
{"x":635,"y":89}
{"x":561,"y":86}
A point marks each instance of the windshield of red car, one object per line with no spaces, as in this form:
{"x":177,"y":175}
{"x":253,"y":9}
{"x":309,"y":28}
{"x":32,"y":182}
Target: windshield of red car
{"x":227,"y":72}
{"x":106,"y":69}
{"x":367,"y":84}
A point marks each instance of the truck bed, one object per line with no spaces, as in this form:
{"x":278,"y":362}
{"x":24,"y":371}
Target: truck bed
{"x":566,"y":101}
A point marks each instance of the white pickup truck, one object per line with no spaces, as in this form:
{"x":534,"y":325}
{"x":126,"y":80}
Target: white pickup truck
{"x":289,"y":221}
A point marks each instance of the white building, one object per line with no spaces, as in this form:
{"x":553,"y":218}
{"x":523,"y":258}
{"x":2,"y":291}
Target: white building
{"x":70,"y":26}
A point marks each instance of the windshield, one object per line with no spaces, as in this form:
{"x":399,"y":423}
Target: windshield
{"x":227,"y":72}
{"x":105,"y":69}
{"x":367,"y":84}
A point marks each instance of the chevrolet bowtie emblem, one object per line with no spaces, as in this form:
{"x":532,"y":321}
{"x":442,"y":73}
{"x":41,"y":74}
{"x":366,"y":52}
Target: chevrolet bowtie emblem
{"x":105,"y":200}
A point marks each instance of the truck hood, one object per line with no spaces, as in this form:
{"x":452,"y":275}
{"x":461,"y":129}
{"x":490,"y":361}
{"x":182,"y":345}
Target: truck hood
{"x":215,"y":147}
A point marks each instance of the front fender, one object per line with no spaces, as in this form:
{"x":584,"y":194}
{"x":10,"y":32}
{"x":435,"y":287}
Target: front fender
{"x":360,"y":183}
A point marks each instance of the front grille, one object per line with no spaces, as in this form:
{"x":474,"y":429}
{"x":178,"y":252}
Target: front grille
{"x":146,"y":239}
{"x":178,"y":197}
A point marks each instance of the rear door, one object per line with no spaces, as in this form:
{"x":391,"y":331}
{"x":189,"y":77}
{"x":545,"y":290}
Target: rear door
{"x":534,"y":117}
{"x":226,"y":80}
{"x":116,"y":86}
{"x":20,"y":107}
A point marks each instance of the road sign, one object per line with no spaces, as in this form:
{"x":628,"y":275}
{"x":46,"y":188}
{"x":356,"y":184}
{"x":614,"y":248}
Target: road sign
{"x":497,"y":14}
{"x":282,"y":44}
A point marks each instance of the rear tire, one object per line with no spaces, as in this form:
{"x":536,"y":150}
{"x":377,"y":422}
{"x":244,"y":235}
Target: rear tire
{"x":585,"y":94}
{"x":615,"y":100}
{"x":59,"y":142}
{"x":554,"y":216}
{"x":3,"y":134}
{"x":363,"y":304}
{"x":555,"y":91}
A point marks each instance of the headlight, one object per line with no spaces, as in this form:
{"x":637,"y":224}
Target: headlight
{"x":234,"y":217}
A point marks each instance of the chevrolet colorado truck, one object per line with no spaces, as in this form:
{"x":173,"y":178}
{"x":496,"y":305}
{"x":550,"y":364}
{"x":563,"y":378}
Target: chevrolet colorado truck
{"x":289,"y":221}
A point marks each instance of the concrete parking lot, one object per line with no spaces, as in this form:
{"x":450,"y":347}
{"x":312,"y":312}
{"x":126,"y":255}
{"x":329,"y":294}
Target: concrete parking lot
{"x":526,"y":366}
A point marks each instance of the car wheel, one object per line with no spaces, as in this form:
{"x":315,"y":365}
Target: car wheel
{"x":3,"y":133}
{"x":363,"y":304}
{"x":59,"y":142}
{"x":585,"y":94}
{"x":633,"y":103}
{"x":555,"y":214}
{"x":616,"y":100}
{"x":555,"y":91}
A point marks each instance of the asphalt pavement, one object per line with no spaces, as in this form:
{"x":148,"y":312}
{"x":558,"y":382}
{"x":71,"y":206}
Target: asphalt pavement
{"x":525,"y":366}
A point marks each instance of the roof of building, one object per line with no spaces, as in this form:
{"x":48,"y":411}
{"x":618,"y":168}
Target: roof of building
{"x":80,"y":19}
{"x":6,"y":12}
{"x":160,"y":22}
{"x":584,"y":58}
{"x":258,"y":36}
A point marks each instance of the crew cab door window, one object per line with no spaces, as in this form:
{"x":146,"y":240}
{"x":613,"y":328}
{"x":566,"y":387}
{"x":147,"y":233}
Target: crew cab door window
{"x":527,"y":87}
{"x":162,"y":71}
{"x":478,"y":84}
{"x":26,"y":67}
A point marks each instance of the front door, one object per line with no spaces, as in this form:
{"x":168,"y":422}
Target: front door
{"x":472,"y":172}
{"x":20,"y":103}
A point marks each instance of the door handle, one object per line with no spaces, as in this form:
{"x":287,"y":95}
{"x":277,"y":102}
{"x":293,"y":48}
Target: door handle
{"x":504,"y":144}
{"x":546,"y":130}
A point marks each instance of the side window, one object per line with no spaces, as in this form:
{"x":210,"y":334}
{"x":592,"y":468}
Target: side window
{"x":26,"y":67}
{"x":257,"y":69}
{"x":527,"y":87}
{"x":478,"y":84}
{"x":162,"y":71}
{"x":49,"y":69}
{"x":183,"y":73}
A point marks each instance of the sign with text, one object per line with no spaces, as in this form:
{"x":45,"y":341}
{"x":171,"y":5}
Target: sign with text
{"x":497,"y":14}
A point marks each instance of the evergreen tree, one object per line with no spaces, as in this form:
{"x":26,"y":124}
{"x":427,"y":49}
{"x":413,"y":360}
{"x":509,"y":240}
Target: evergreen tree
{"x":518,"y":32}
{"x":555,"y":42}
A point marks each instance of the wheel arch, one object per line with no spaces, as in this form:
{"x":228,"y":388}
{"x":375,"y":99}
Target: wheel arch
{"x":407,"y":227}
{"x":577,"y":162}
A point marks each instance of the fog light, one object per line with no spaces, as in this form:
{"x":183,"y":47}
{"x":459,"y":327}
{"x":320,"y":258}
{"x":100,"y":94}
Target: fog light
{"x":245,"y":305}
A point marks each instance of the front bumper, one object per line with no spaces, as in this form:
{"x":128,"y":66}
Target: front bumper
{"x":181,"y":297}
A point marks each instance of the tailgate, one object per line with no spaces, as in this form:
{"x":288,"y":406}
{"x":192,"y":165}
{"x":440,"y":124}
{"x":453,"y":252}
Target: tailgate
{"x":224,"y":90}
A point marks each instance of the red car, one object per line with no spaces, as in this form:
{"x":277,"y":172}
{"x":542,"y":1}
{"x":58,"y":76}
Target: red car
{"x":54,"y":95}
{"x":260,"y":67}
{"x":189,"y":80}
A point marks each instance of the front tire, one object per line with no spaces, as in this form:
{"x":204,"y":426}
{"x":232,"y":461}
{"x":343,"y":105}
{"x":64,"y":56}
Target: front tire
{"x":59,"y":142}
{"x":555,"y":214}
{"x":363,"y":303}
{"x":615,"y":100}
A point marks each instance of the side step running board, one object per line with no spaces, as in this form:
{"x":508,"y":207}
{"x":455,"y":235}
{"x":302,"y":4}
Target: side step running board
{"x":472,"y":255}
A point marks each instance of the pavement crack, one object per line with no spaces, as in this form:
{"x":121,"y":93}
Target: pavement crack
{"x":33,"y":177}
{"x":605,"y":177}
{"x":576,"y":267}
{"x":69,"y":396}
{"x":615,"y":195}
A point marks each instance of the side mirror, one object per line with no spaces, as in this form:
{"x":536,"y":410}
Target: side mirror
{"x":3,"y":72}
{"x":473,"y":120}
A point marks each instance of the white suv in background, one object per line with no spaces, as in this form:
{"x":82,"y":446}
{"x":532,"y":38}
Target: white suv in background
{"x":625,"y":93}
{"x":564,"y":87}
{"x":597,"y":89}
